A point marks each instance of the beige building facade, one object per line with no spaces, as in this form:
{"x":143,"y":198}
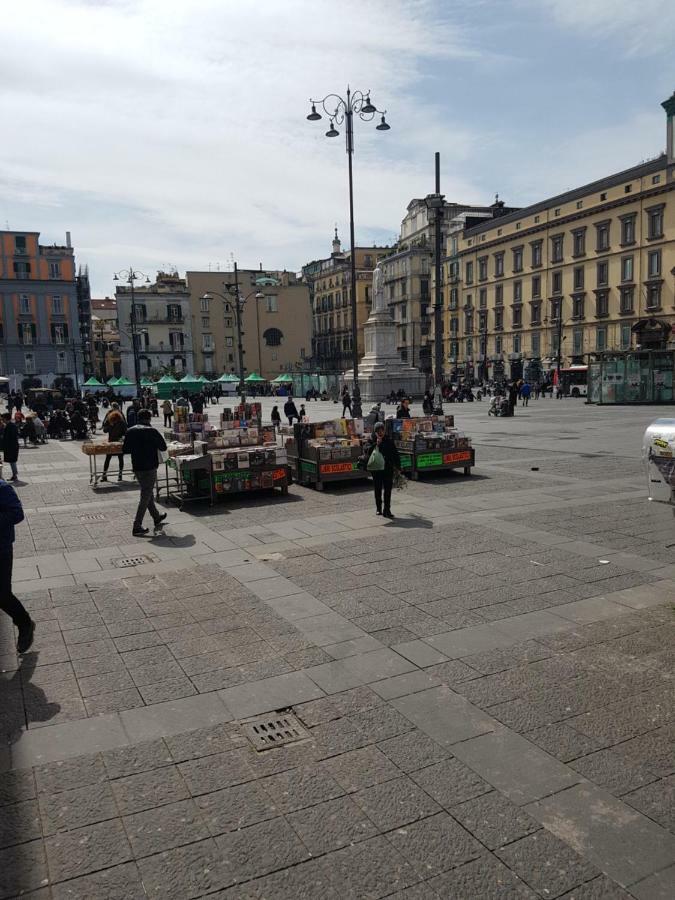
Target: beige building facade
{"x":105,"y":339}
{"x":276,"y":327}
{"x":572,"y":275}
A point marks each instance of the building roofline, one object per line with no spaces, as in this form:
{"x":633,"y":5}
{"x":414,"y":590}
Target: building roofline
{"x":644,"y":168}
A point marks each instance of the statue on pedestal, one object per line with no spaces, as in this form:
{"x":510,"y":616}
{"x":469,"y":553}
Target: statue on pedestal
{"x":379,"y":304}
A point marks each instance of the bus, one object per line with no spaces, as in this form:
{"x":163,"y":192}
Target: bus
{"x":574,"y":381}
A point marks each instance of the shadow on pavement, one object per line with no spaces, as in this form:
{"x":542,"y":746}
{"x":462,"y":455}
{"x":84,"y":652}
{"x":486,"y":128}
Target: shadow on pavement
{"x":411,"y":521}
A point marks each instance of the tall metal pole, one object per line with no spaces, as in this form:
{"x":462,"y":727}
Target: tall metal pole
{"x":560,"y":312}
{"x":73,"y":347}
{"x":356,"y":397}
{"x":240,"y":345}
{"x":137,"y":367}
{"x":257,"y":330}
{"x":438,"y":299}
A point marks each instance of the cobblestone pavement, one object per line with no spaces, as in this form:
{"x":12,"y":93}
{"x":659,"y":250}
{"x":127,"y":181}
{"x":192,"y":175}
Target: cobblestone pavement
{"x":483,"y":687}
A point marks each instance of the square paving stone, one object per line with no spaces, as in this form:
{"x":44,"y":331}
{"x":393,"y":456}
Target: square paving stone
{"x":16,"y":785}
{"x":381,"y":722}
{"x":660,"y":886}
{"x":210,"y":773}
{"x":395,"y":803}
{"x":435,"y":844}
{"x":186,"y":872}
{"x":359,"y":769}
{"x":484,"y":877}
{"x":235,"y":807}
{"x":115,"y":701}
{"x":148,"y":790}
{"x":118,"y":883}
{"x":371,"y":868}
{"x":141,"y":757}
{"x":494,"y":820}
{"x":612,"y":772}
{"x":87,"y":849}
{"x":262,"y":848}
{"x":450,"y":782}
{"x":178,"y":824}
{"x":421,"y":891}
{"x":413,"y":751}
{"x":203,"y":742}
{"x":547,"y":864}
{"x":22,"y":868}
{"x":339,"y":736}
{"x":331,"y":825}
{"x":76,"y":808}
{"x":73,"y":773}
{"x":20,"y":823}
{"x":601,"y":888}
{"x":301,"y":787}
{"x":657,"y":801}
{"x":562,"y":741}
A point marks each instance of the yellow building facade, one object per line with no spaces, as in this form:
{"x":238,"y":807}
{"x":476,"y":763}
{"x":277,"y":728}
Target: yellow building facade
{"x":572,"y":275}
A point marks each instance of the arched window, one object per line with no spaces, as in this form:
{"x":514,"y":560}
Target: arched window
{"x":273,"y":337}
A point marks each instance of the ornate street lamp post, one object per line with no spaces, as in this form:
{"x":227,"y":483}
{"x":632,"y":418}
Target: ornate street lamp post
{"x":339,"y":110}
{"x":130,"y":276}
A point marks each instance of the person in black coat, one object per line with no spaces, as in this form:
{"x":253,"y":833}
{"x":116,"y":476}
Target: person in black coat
{"x":291,"y":411}
{"x":383,"y":480}
{"x":403,"y":411}
{"x":9,"y":444}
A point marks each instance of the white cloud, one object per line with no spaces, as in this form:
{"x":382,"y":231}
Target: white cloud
{"x":642,"y":28}
{"x":177,"y":129}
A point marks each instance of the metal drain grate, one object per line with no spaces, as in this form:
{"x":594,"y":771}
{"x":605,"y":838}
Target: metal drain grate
{"x":93,"y":517}
{"x":128,"y":562}
{"x":273,"y":731}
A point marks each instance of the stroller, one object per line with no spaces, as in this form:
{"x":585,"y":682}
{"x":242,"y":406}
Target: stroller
{"x":499,"y":406}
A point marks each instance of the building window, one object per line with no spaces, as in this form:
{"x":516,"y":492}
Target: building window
{"x":627,"y":188}
{"x":517,"y":259}
{"x":602,"y":304}
{"x":579,"y":242}
{"x":26,"y":333}
{"x":654,"y":263}
{"x":454,"y":295}
{"x":517,"y":291}
{"x":468,"y":321}
{"x":536,"y":286}
{"x":482,"y":298}
{"x":556,"y":212}
{"x":517,"y":316}
{"x":498,"y":345}
{"x":499,"y":295}
{"x":557,"y":243}
{"x":535,"y":314}
{"x":601,"y":337}
{"x":499,"y":319}
{"x":482,"y":321}
{"x":24,"y":305}
{"x":19,"y":243}
{"x":468,"y":302}
{"x":140,"y":311}
{"x":271,"y":303}
{"x":59,"y":334}
{"x":29,"y":364}
{"x":578,"y":306}
{"x":602,"y":237}
{"x":536,"y":253}
{"x":229,"y":342}
{"x":626,"y":302}
{"x":368,"y":260}
{"x":536,"y":220}
{"x":627,"y":268}
{"x":578,"y":278}
{"x":555,"y":310}
{"x":21,"y":269}
{"x":577,"y":341}
{"x":656,"y":179}
{"x":454,"y":325}
{"x":603,"y":274}
{"x":61,"y":362}
{"x":654,"y":296}
{"x":655,"y":223}
{"x":557,"y":282}
{"x":499,"y":265}
{"x":516,"y":343}
{"x":208,"y":364}
{"x":603,"y":196}
{"x":57,"y":305}
{"x":54,"y":270}
{"x":424,"y":288}
{"x":469,"y":348}
{"x":469,"y":272}
{"x":535,"y":343}
{"x":204,"y":304}
{"x":273,"y":337}
{"x":580,"y":204}
{"x":482,"y":268}
{"x":206,"y":322}
{"x":207,"y":342}
{"x":628,"y":229}
{"x":626,"y":337}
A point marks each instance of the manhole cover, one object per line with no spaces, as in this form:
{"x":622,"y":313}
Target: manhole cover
{"x":93,"y":517}
{"x":273,"y":731}
{"x":128,"y":562}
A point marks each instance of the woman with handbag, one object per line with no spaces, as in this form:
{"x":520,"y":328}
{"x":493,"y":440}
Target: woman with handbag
{"x":382,"y":461}
{"x":115,"y":426}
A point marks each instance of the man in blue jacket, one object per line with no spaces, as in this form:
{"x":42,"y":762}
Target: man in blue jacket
{"x":11,"y":513}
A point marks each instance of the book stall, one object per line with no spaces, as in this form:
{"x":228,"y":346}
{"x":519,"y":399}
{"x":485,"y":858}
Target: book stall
{"x":98,"y":450}
{"x":323,"y":452}
{"x":206,"y":462}
{"x":430,"y":444}
{"x":658,"y":458}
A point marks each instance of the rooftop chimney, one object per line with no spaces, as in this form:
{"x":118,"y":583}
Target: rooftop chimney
{"x":68,"y":243}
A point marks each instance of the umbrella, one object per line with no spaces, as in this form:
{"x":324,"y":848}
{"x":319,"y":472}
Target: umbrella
{"x":254,"y":377}
{"x":93,"y":382}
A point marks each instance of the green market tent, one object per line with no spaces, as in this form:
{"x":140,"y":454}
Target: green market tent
{"x":167,"y":379}
{"x":111,"y":382}
{"x":93,"y":382}
{"x":203,"y":379}
{"x":228,"y":377}
{"x":124,"y":382}
{"x":190,"y":384}
{"x":147,"y":382}
{"x":283,"y":379}
{"x":254,"y":378}
{"x":165,"y":387}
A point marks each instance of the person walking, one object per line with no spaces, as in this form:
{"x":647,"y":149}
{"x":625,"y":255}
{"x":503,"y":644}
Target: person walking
{"x":291,"y":410}
{"x":276,"y":417}
{"x":11,"y":513}
{"x":167,"y":409}
{"x":144,"y":442}
{"x":525,"y":392}
{"x":403,"y":410}
{"x":9,"y":444}
{"x":115,"y":426}
{"x":346,"y":402}
{"x":513,"y":397}
{"x":382,"y":459}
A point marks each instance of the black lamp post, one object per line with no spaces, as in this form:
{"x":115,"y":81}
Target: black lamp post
{"x":130,"y":275}
{"x":338,"y":111}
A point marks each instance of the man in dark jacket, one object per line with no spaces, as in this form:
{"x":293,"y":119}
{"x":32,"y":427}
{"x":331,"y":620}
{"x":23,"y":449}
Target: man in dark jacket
{"x":384,"y":478}
{"x":291,"y":411}
{"x":11,"y":513}
{"x":144,"y":442}
{"x":9,"y":444}
{"x":403,"y":410}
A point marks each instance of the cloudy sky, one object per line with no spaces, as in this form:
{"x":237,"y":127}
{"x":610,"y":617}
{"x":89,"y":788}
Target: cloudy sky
{"x":173,"y":133}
